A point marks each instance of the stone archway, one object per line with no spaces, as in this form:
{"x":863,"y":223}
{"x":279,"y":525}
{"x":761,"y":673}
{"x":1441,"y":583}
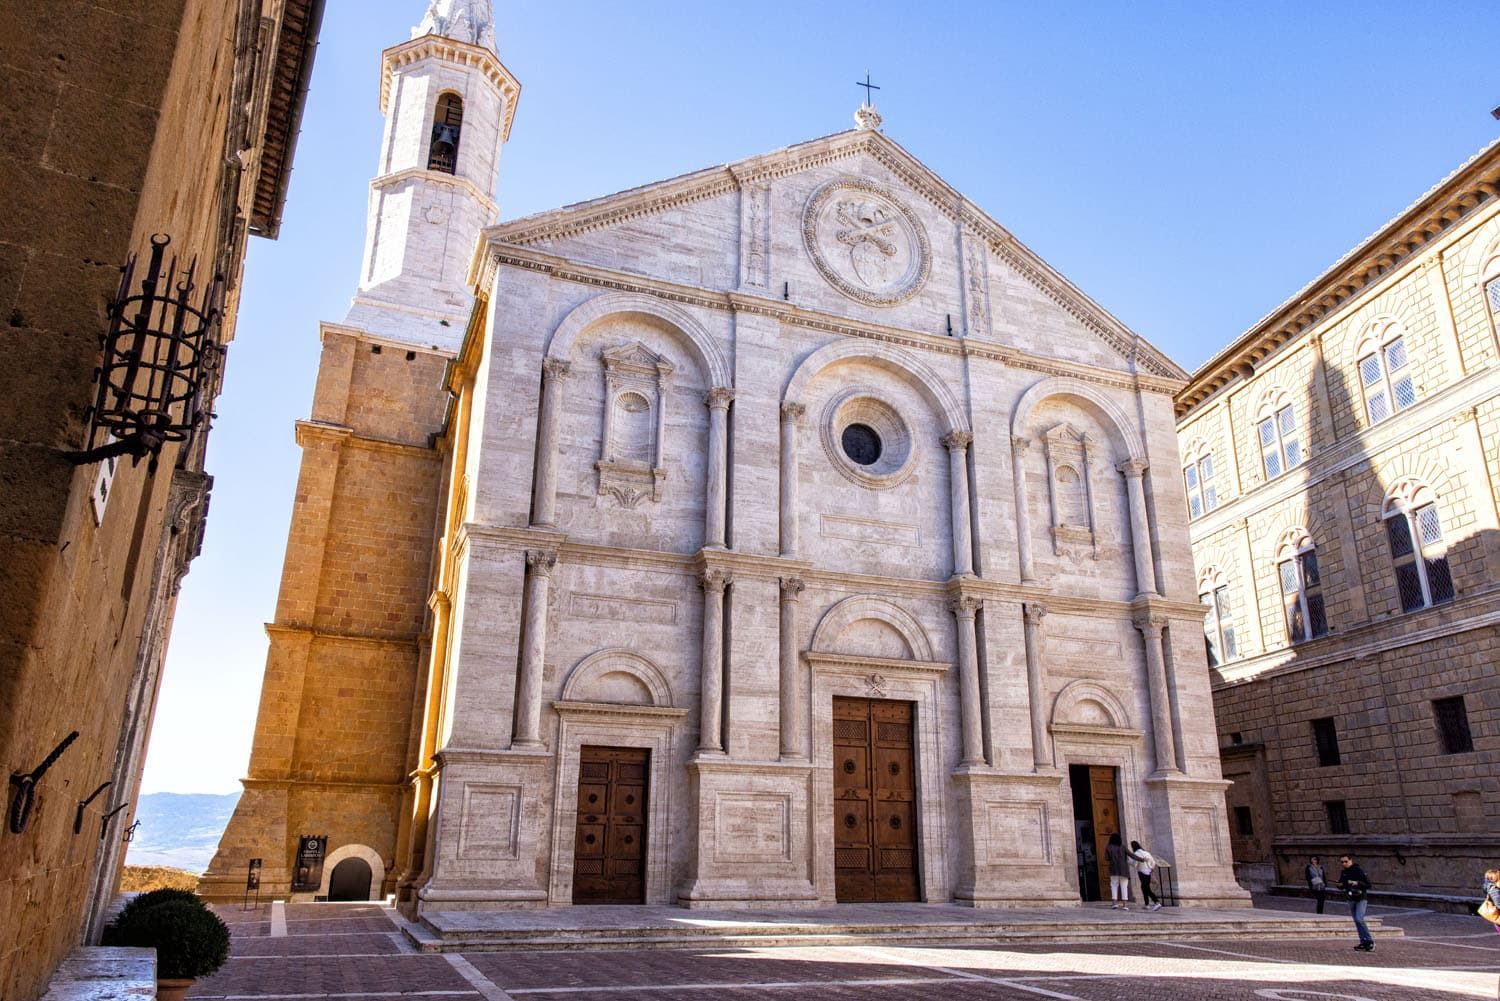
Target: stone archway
{"x":364,"y":853}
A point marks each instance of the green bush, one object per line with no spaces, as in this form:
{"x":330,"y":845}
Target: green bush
{"x":154,"y":897}
{"x":189,"y":939}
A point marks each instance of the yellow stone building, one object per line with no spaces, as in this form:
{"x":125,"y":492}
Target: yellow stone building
{"x":1342,"y":461}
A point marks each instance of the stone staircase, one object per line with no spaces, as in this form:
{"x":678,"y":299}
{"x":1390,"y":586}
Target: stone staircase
{"x":603,"y":928}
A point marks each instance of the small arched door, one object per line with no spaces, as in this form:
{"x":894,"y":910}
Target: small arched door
{"x":350,"y":880}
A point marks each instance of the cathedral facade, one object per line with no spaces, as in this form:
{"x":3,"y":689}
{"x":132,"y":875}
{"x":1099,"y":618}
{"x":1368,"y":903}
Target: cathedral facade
{"x":781,"y":534}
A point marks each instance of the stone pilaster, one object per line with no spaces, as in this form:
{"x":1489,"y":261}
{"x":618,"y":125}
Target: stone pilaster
{"x":957,"y":444}
{"x":717,"y":400}
{"x":539,"y":565}
{"x":544,"y":484}
{"x":1036,"y":688}
{"x":711,"y":677}
{"x":791,"y":418}
{"x":1134,"y":471}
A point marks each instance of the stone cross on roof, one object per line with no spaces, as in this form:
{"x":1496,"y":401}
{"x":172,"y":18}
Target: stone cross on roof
{"x":471,"y":21}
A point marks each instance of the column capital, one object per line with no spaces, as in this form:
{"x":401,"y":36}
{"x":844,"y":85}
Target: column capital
{"x":957,"y":439}
{"x":791,"y":588}
{"x":541,"y":561}
{"x":791,"y":411}
{"x":1150,"y":623}
{"x":1033,"y":613}
{"x":1019,"y":445}
{"x":556,"y":368}
{"x":718,"y":398}
{"x":965,"y":605}
{"x":1133,"y":468}
{"x":714,"y":580}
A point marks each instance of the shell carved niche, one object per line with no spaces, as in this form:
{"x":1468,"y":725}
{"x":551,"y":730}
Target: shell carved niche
{"x":1070,"y":489}
{"x":630,"y":456}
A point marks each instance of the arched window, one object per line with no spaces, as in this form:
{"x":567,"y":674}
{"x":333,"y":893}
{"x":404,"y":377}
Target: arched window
{"x":1384,"y":373}
{"x":1415,"y":533}
{"x":1218,"y":624}
{"x":1198,"y":476}
{"x":1301,"y":586}
{"x":1276,"y":427}
{"x":447,"y":123}
{"x":1489,"y":280}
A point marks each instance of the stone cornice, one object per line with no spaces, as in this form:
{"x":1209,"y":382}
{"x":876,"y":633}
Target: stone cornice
{"x":328,"y":329}
{"x":339,"y":434}
{"x":274,"y":629}
{"x":1387,"y":251}
{"x":441,"y":179}
{"x":492,"y":254}
{"x":714,"y":181}
{"x":824,"y":660}
{"x":453,"y":51}
{"x":617,"y":711}
{"x":1352,"y":451}
{"x":1478,"y":610}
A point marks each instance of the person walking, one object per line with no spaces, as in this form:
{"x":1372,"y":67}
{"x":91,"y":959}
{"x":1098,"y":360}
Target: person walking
{"x":1491,"y":898}
{"x":1356,"y":885}
{"x":1145,"y":865}
{"x":1119,"y":873}
{"x":1317,"y":881}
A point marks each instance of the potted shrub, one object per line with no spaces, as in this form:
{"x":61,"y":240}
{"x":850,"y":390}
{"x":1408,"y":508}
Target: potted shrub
{"x":189,"y":939}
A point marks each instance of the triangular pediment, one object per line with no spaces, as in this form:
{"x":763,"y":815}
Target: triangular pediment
{"x":705,"y":205}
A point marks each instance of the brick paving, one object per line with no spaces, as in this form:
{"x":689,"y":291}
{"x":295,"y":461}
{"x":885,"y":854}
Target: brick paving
{"x":356,"y":953}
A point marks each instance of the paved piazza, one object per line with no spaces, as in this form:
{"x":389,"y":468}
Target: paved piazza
{"x":353,"y":952}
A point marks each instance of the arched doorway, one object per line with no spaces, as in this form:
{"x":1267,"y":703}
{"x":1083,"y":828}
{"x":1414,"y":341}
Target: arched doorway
{"x":350,"y":880}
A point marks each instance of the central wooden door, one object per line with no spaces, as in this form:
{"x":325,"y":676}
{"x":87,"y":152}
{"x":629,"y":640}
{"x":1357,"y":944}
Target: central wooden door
{"x":609,"y":849}
{"x":1105,"y":798}
{"x":874,"y":801}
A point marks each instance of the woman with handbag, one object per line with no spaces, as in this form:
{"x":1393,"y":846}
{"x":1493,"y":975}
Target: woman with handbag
{"x":1489,"y":907}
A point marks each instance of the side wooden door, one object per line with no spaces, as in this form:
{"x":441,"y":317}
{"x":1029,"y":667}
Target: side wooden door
{"x":874,"y":801}
{"x":609,"y":848}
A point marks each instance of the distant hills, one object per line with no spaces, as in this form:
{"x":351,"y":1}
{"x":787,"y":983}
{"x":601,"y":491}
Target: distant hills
{"x":180,"y":830}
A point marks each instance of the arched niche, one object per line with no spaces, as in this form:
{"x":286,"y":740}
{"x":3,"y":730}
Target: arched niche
{"x":861,"y":608}
{"x":1089,"y":705}
{"x":617,"y":677}
{"x":676,"y":320}
{"x":933,"y":388}
{"x":1124,"y":436}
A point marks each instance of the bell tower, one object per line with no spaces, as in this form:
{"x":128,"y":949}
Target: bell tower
{"x":448,"y":103}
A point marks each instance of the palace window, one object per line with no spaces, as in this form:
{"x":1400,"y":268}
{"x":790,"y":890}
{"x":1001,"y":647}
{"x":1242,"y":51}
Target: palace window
{"x":1489,"y":281}
{"x":1244,"y":822}
{"x":1218,"y":625}
{"x":1384,"y":371}
{"x":1415,"y":533}
{"x":1276,"y":427}
{"x":1198,"y":474}
{"x":1301,"y":587}
{"x":1326,"y":737}
{"x":1453,"y":725}
{"x":447,"y":123}
{"x":1338,"y":816}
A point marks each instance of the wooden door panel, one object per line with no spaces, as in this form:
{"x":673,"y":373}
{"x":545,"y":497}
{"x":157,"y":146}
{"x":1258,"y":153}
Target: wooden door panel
{"x":875,"y":857}
{"x":610,"y":843}
{"x":1104,"y":796}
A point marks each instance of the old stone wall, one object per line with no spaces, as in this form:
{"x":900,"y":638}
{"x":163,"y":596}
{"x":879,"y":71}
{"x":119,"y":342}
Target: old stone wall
{"x":1418,"y":815}
{"x":345,"y":667}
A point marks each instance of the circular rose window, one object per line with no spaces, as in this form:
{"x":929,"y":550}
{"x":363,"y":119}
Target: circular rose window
{"x":867,"y":440}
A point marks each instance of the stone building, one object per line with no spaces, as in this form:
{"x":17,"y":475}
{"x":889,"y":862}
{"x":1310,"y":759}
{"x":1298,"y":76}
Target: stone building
{"x":779,"y":534}
{"x":1340,"y":460}
{"x":117,"y":122}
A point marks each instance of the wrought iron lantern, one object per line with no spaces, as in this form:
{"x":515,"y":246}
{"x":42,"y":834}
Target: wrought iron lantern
{"x":159,"y":353}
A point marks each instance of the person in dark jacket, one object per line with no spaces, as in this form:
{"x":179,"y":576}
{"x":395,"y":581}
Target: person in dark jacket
{"x":1119,"y":873}
{"x":1317,"y":881}
{"x":1356,"y":885}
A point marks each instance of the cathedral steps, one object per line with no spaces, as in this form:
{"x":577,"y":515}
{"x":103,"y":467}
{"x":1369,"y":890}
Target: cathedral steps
{"x":599,"y":928}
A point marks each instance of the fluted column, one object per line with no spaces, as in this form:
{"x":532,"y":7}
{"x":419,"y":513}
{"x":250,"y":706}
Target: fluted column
{"x":791,"y":416}
{"x":963,"y":609}
{"x":1018,"y":448}
{"x":1156,"y":678}
{"x":544,"y":484}
{"x":711,"y":680}
{"x":717,"y":400}
{"x":1140,"y":528}
{"x":791,"y":704}
{"x":957,"y":443}
{"x":528,"y":731}
{"x":1032,"y":615}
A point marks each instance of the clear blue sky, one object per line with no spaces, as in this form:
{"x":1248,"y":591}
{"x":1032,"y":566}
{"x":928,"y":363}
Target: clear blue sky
{"x":1188,"y":165}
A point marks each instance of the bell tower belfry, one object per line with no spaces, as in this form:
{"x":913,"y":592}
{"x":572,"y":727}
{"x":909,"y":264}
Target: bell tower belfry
{"x":448,"y":103}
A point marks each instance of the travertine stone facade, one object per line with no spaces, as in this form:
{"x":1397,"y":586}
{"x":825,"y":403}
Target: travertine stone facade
{"x":716,"y":453}
{"x":117,"y":122}
{"x":1387,"y":366}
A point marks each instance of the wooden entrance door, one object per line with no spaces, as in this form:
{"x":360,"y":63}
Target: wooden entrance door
{"x":874,"y":801}
{"x":1105,"y":797}
{"x":609,"y":849}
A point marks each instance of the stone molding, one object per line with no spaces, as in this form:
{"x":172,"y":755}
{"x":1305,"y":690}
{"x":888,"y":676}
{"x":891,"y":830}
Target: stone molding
{"x":716,"y":367}
{"x":454,"y":51}
{"x":1127,"y":436}
{"x":823,"y":660}
{"x":441,"y":179}
{"x":927,"y":382}
{"x":843,"y":614}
